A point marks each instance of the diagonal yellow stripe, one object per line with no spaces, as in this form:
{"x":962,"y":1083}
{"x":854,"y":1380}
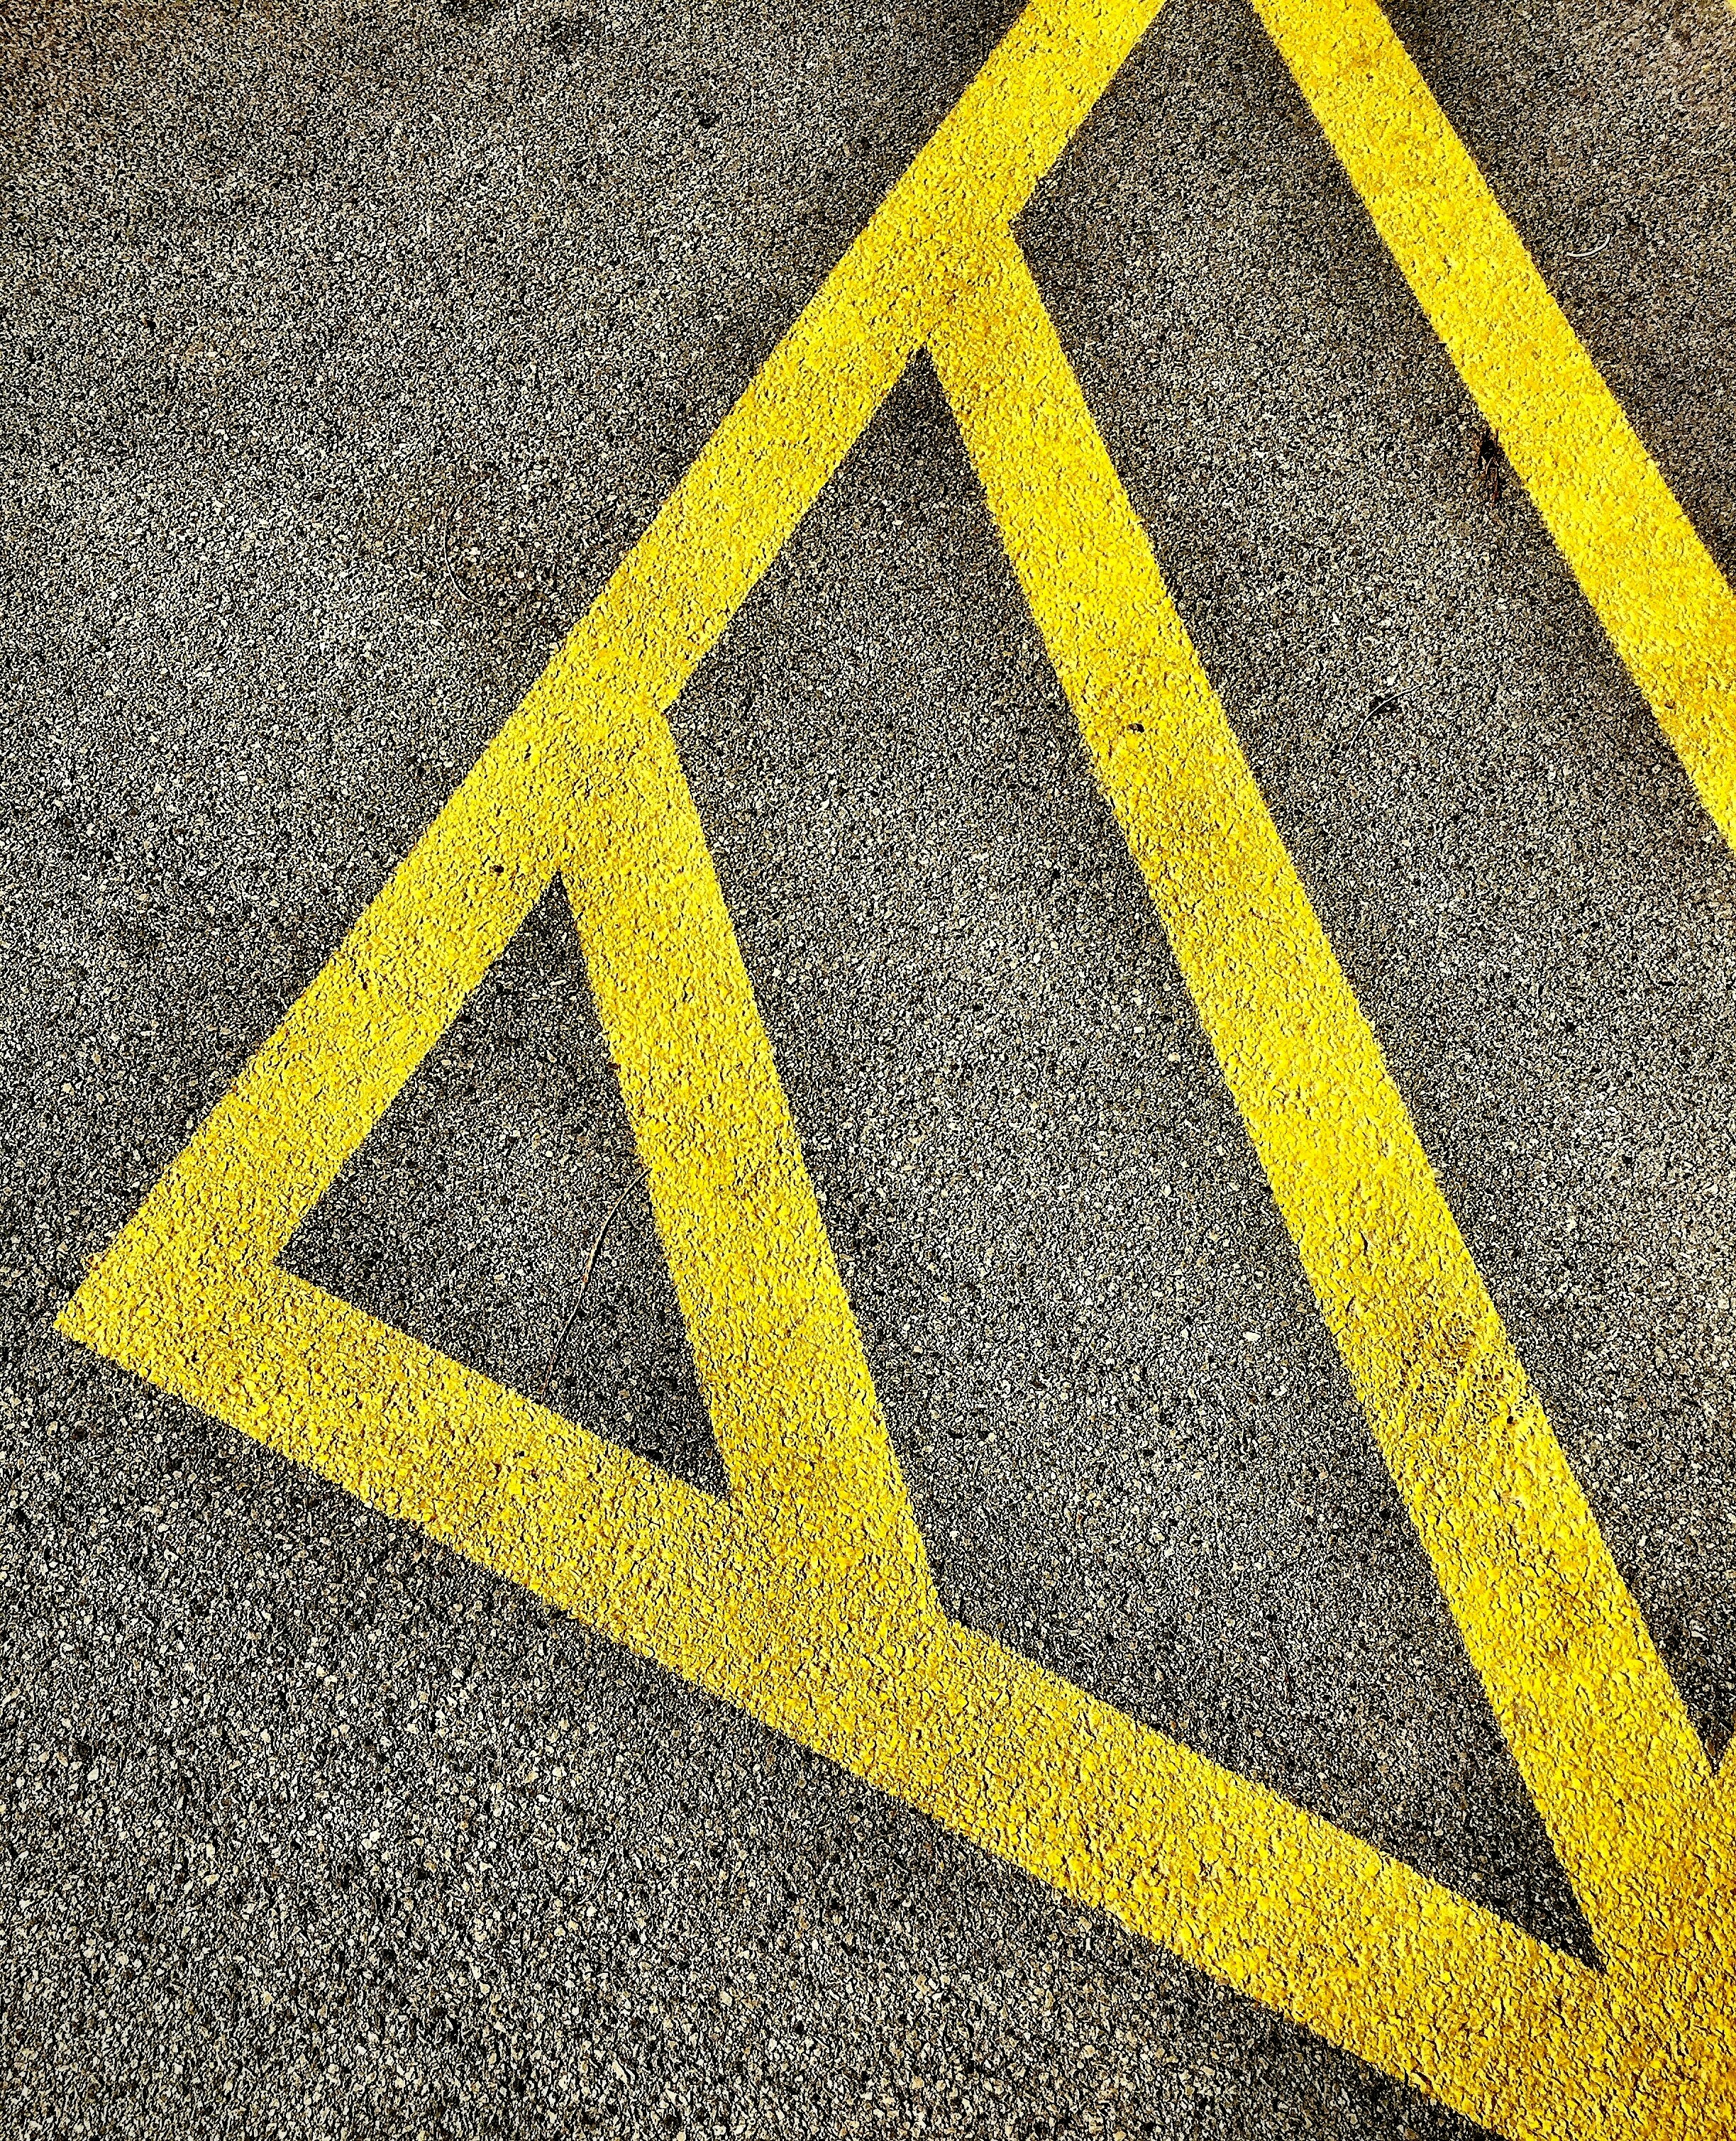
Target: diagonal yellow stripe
{"x":1634,"y":552}
{"x":1590,"y":1714}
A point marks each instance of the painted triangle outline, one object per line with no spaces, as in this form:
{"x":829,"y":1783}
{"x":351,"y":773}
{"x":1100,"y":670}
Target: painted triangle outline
{"x":806,"y":1597}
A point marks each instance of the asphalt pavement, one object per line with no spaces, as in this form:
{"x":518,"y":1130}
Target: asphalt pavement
{"x":349,"y":348}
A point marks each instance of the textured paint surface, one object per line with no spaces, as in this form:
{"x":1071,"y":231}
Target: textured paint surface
{"x":805,"y":1598}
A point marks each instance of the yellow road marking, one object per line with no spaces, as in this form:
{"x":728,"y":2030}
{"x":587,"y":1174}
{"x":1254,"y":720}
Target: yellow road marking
{"x":1633,"y":550}
{"x":1593,"y":1719}
{"x":805,"y":1597}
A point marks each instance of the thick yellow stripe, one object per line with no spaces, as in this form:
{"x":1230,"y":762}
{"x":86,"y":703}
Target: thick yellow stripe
{"x":1590,"y":1714}
{"x":774,"y":1343}
{"x":858,"y":1665}
{"x":1662,"y":601}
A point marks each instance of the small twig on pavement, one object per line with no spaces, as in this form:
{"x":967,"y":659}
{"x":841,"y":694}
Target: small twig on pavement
{"x":560,"y":1343}
{"x":1592,"y":252}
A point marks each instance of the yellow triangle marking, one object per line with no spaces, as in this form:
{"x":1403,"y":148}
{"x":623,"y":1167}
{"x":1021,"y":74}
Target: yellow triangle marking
{"x":805,"y":1597}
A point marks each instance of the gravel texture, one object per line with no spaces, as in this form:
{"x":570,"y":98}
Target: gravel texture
{"x":349,"y":348}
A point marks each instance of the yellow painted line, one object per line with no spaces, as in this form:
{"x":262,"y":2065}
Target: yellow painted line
{"x":804,"y":1598}
{"x":1634,"y":552}
{"x":1592,"y":1717}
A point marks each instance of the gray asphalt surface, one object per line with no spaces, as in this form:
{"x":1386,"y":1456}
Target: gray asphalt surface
{"x":349,"y":349}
